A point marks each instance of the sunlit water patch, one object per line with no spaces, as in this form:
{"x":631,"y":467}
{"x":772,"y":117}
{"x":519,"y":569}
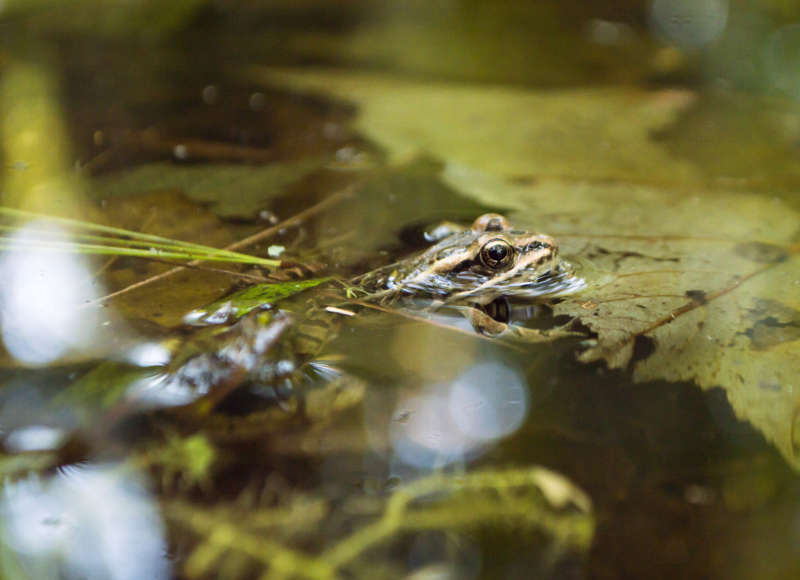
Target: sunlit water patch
{"x":85,"y":522}
{"x":41,"y":295}
{"x":456,"y":421}
{"x":33,"y":438}
{"x":689,"y":23}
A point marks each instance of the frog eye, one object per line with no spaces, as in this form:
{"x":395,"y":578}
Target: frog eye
{"x":496,"y":254}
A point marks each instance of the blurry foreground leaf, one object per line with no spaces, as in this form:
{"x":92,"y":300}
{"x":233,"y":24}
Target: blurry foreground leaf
{"x":101,"y":388}
{"x":505,"y":501}
{"x":111,"y":382}
{"x":20,"y":464}
{"x":182,"y":461}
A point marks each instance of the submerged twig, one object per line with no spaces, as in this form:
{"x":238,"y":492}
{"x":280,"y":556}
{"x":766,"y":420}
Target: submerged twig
{"x":254,"y":278}
{"x":149,"y":141}
{"x":297,"y":218}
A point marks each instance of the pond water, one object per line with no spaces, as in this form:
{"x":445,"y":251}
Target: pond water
{"x":287,"y":416}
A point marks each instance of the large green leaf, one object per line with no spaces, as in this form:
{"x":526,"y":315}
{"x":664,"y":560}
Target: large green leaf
{"x":620,"y":133}
{"x":602,"y":133}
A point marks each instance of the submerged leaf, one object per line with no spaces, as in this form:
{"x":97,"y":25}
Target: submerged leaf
{"x":623,"y":134}
{"x":169,"y":215}
{"x":598,"y":133}
{"x":233,"y":191}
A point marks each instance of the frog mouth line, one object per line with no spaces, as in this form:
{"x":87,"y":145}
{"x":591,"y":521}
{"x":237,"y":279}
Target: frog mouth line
{"x":559,"y":281}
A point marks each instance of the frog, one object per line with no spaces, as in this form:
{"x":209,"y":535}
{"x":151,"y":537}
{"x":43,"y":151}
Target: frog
{"x":478,"y":264}
{"x":476,"y":267}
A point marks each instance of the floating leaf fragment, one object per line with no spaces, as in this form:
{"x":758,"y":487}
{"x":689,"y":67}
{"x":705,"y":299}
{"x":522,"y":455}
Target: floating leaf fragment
{"x":240,"y":303}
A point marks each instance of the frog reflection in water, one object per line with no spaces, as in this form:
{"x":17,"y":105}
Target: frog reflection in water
{"x":478,"y":267}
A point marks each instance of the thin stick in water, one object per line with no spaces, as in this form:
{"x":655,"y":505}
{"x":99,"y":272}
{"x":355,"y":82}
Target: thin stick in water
{"x":292,"y":221}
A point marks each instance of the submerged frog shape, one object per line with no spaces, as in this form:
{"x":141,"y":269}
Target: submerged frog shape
{"x":475,"y":266}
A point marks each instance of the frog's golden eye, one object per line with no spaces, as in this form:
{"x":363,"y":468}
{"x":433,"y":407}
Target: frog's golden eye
{"x":496,"y":254}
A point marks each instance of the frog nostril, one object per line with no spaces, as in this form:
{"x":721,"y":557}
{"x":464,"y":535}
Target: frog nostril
{"x":537,"y":245}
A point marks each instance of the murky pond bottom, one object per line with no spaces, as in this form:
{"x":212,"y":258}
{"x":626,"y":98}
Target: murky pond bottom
{"x":240,"y":418}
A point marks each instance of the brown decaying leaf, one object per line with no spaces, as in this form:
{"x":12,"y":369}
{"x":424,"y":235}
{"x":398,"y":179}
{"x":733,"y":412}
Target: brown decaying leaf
{"x":687,"y":288}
